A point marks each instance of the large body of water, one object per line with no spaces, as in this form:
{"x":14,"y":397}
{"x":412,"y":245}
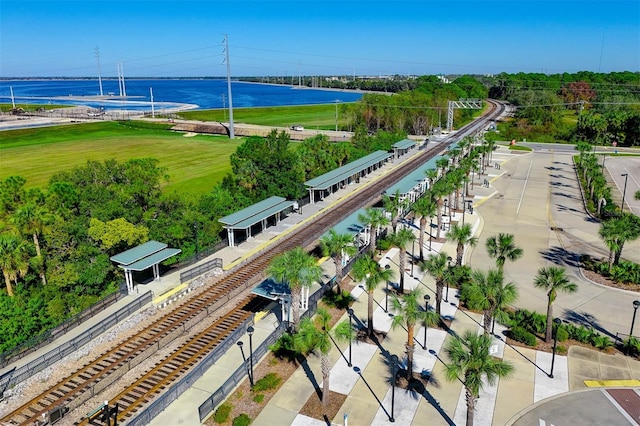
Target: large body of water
{"x":205,"y":94}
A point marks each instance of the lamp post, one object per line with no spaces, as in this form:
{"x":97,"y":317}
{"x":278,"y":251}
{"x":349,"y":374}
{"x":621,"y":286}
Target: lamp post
{"x":394,"y":361}
{"x":624,"y":191}
{"x":413,"y":254}
{"x":636,"y":304}
{"x":386,"y":294}
{"x":446,"y":296}
{"x":446,"y":202}
{"x":250,"y":331}
{"x":430,"y":231}
{"x":336,"y":101}
{"x":350,"y":312}
{"x":244,"y":359}
{"x":557,"y":322}
{"x":426,"y":309}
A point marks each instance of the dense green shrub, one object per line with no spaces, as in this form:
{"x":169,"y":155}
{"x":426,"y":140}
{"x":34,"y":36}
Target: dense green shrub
{"x":601,"y":342}
{"x":340,"y":301}
{"x":562,"y":334}
{"x":242,"y":420}
{"x":258,"y":398}
{"x":221,"y":414}
{"x":631,"y":346}
{"x":285,"y":347}
{"x":521,"y":335}
{"x":270,"y":381}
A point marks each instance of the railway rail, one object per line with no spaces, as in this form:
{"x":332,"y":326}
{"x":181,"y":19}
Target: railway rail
{"x":95,"y":376}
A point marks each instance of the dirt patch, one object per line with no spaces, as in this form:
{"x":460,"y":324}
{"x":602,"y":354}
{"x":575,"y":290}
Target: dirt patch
{"x":595,"y":277}
{"x":313,"y":407}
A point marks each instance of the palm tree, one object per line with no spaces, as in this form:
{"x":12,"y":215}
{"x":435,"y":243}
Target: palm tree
{"x":432,"y":175}
{"x":502,"y":248}
{"x":461,"y":235}
{"x":488,"y":293}
{"x":13,"y":259}
{"x":315,"y":334}
{"x":33,"y":219}
{"x":436,"y":266}
{"x":337,"y":246}
{"x":297,"y":269}
{"x":424,"y":207}
{"x":553,"y":279}
{"x":616,"y":231}
{"x":470,"y":362}
{"x":374,"y":218}
{"x":395,"y":206}
{"x":440,"y":191}
{"x":400,"y":239}
{"x":368,"y":270}
{"x":408,"y":311}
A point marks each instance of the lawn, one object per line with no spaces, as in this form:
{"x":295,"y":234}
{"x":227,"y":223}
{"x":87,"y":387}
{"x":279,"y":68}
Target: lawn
{"x":31,"y":107}
{"x":310,"y":116}
{"x":194,"y":164}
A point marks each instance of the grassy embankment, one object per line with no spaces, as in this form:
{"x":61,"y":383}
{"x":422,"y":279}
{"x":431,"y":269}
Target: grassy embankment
{"x":30,"y":107}
{"x":194,"y":164}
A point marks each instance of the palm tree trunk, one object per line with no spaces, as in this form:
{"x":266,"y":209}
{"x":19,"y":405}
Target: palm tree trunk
{"x":402,"y":261}
{"x":372,"y":240}
{"x":7,"y":282}
{"x":295,"y":307}
{"x":36,"y":242}
{"x":439,"y":285}
{"x":370,"y":314}
{"x":548,"y":335}
{"x":326,"y":371}
{"x":471,"y":406}
{"x":338,"y":264}
{"x":423,"y":226}
{"x":410,"y":349}
{"x":439,"y":217}
{"x":486,"y":319}
{"x":459,"y":254}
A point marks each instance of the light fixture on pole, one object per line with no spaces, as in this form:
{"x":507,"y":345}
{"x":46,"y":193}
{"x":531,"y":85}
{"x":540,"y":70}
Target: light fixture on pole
{"x":557,"y":322}
{"x":413,"y":254}
{"x":430,"y":232}
{"x":426,"y":309}
{"x":250,"y":331}
{"x":624,"y":191}
{"x":636,"y":304}
{"x":244,"y":358}
{"x":394,"y":362}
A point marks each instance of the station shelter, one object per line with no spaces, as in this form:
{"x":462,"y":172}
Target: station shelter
{"x":142,"y":257}
{"x":259,"y":213}
{"x":400,"y":148}
{"x":342,"y":176}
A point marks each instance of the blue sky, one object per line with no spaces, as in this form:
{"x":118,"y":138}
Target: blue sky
{"x":284,"y":38}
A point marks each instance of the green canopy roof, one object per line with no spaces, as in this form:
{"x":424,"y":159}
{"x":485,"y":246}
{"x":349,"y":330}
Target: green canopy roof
{"x":341,"y":173}
{"x":139,"y":252}
{"x":255,"y":213}
{"x":151,"y":260}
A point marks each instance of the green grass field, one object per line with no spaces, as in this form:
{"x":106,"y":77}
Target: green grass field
{"x":310,"y":116}
{"x":30,"y":107}
{"x":194,"y":164}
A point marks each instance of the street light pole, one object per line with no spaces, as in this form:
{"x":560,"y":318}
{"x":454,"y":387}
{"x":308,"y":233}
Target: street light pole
{"x":426,"y":309}
{"x":557,"y":322}
{"x":250,"y":331}
{"x":195,"y":228}
{"x":386,"y":294}
{"x":413,"y":254}
{"x":350,"y":312}
{"x":394,"y":360}
{"x":244,"y":359}
{"x":636,"y":304}
{"x":430,"y":231}
{"x":624,"y":191}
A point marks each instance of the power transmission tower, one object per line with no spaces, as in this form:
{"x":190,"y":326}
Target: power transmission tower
{"x":99,"y":73}
{"x":226,"y":50}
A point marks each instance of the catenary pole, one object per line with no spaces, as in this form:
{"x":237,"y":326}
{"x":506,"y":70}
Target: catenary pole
{"x":226,"y":50}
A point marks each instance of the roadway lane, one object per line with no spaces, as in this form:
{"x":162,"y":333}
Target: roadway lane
{"x":617,"y":166}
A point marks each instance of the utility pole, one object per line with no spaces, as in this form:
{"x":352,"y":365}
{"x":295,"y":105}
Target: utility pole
{"x":153,"y":111}
{"x":226,"y":50}
{"x":99,"y":73}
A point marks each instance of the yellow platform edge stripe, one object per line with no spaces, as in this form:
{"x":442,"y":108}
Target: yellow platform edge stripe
{"x":612,"y":383}
{"x":168,"y":294}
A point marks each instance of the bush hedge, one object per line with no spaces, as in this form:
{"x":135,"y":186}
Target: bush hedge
{"x":519,"y":334}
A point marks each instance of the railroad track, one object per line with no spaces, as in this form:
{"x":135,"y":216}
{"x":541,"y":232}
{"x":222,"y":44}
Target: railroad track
{"x":95,"y":376}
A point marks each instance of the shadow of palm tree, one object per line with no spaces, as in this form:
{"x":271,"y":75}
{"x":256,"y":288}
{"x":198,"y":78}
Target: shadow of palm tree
{"x":586,"y":319}
{"x":560,"y":256}
{"x":312,"y":378}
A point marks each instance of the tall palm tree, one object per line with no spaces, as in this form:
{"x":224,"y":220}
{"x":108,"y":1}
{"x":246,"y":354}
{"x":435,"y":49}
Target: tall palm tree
{"x":502,"y":248}
{"x":375,"y":219}
{"x":470,"y":362}
{"x":400,"y":239}
{"x":461,"y":235}
{"x":553,"y":279}
{"x":440,"y":191}
{"x":488,"y":293}
{"x":337,"y":246}
{"x":425,"y":207}
{"x":436,"y":266}
{"x":432,"y":175}
{"x":315,"y":334}
{"x":394,"y":205}
{"x":13,"y":259}
{"x":408,"y":311}
{"x":297,"y":269}
{"x":368,"y":270}
{"x":616,"y":231}
{"x":33,"y":219}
